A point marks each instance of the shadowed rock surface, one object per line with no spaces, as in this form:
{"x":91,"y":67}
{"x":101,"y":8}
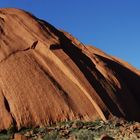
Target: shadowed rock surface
{"x":47,"y":75}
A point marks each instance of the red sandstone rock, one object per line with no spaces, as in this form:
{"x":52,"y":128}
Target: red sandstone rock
{"x":47,"y":75}
{"x":20,"y":137}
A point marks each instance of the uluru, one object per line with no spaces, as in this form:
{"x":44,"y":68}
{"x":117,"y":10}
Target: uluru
{"x":49,"y":76}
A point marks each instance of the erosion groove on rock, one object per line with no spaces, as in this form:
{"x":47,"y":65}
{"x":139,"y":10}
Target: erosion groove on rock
{"x":47,"y":75}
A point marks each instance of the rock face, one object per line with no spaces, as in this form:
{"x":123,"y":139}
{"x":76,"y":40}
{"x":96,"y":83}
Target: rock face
{"x":47,"y":75}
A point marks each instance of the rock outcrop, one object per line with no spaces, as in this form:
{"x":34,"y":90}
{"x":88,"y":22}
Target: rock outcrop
{"x":47,"y":75}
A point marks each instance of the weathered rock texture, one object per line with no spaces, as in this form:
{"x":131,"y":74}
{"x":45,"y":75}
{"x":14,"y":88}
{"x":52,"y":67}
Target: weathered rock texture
{"x":47,"y":75}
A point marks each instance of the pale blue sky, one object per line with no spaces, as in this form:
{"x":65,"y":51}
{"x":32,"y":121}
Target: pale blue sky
{"x":111,"y":25}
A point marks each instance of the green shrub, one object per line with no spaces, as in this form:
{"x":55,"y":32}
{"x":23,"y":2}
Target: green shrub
{"x":84,"y":135}
{"x":51,"y":136}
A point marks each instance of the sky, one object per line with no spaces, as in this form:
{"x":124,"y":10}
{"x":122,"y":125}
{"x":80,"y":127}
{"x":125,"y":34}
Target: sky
{"x":111,"y":25}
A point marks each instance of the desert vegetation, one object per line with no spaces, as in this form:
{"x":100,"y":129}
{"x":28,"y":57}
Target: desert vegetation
{"x":116,"y":129}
